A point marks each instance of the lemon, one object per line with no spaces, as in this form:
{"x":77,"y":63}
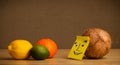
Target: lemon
{"x":19,"y":49}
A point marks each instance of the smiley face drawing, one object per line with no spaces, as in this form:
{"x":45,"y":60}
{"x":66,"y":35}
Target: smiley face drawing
{"x":79,"y":47}
{"x":77,"y":51}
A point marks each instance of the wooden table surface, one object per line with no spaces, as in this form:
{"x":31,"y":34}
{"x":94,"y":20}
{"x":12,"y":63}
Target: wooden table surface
{"x":113,"y":58}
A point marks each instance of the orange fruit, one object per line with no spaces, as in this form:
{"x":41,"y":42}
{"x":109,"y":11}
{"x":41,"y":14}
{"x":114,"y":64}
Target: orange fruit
{"x":49,"y":44}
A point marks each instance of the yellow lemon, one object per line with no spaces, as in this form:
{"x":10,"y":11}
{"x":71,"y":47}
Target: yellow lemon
{"x":19,"y":49}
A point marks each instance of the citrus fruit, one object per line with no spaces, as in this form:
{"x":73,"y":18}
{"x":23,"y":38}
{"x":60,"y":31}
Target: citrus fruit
{"x":39,"y":52}
{"x":19,"y":49}
{"x":49,"y":44}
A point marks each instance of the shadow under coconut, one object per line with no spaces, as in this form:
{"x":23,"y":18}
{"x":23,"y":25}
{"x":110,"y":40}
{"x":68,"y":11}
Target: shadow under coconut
{"x":95,"y":58}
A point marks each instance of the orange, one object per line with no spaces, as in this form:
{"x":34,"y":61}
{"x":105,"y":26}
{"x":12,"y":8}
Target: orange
{"x":49,"y":44}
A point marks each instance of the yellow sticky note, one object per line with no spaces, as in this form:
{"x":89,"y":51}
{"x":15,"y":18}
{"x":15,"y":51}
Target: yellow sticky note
{"x":79,"y":47}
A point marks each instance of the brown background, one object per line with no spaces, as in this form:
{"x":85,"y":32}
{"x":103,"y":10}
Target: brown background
{"x":60,"y":20}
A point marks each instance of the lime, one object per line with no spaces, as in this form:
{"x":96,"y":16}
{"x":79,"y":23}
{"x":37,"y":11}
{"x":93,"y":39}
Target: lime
{"x":39,"y":52}
{"x":19,"y":49}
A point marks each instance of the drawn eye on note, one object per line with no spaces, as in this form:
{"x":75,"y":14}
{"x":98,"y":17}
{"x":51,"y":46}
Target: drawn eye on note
{"x":79,"y":47}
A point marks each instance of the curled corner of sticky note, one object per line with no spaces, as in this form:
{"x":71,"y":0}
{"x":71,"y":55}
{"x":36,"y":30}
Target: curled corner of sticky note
{"x":79,"y":47}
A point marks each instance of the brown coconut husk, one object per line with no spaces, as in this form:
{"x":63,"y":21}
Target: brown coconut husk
{"x":100,"y":43}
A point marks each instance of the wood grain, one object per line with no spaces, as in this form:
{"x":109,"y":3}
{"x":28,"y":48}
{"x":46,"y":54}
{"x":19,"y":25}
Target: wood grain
{"x":113,"y":58}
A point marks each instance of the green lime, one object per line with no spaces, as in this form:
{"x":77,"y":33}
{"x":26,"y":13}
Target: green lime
{"x":39,"y":52}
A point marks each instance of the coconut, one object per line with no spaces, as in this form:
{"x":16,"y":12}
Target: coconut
{"x":100,"y":43}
